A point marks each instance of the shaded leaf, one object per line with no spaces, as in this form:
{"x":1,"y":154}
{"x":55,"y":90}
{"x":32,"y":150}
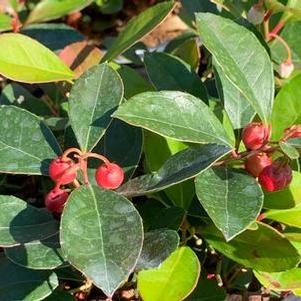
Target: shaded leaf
{"x":289,"y":150}
{"x":101,"y":235}
{"x":180,"y":271}
{"x":26,"y":144}
{"x":60,"y":295}
{"x":24,"y":59}
{"x":176,"y":115}
{"x":93,"y":98}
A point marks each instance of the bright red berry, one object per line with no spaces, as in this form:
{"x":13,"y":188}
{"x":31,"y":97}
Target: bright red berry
{"x":255,"y":135}
{"x":275,"y":176}
{"x":109,"y":176}
{"x":255,"y":164}
{"x":55,"y":200}
{"x":58,"y":171}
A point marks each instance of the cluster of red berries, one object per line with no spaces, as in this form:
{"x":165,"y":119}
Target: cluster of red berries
{"x":63,"y":171}
{"x":272,"y":175}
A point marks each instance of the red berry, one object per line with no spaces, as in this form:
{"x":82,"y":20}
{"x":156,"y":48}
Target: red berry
{"x":255,"y":164}
{"x":275,"y":176}
{"x":55,"y":200}
{"x":109,"y":176}
{"x":255,"y":135}
{"x":58,"y":167}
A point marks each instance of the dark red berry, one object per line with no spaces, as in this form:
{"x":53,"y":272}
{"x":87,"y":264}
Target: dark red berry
{"x":55,"y":200}
{"x":255,"y":164}
{"x":58,"y":171}
{"x":275,"y":176}
{"x":255,"y":135}
{"x":109,"y":176}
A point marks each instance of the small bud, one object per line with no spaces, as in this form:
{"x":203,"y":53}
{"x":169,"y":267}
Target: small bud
{"x":276,"y":176}
{"x":255,"y":164}
{"x":256,"y":14}
{"x":255,"y":135}
{"x":286,"y":69}
{"x":293,"y":131}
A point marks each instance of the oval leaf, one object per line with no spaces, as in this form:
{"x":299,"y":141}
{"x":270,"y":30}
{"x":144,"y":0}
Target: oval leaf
{"x":264,"y":249}
{"x":53,"y":9}
{"x":93,"y":99}
{"x":26,"y":144}
{"x":24,"y":59}
{"x":176,"y":115}
{"x":157,"y":246}
{"x":101,"y":235}
{"x":242,"y":59}
{"x":289,"y":217}
{"x":138,"y":27}
{"x":231,"y":198}
{"x":180,"y":271}
{"x":21,"y":223}
{"x":25,"y":284}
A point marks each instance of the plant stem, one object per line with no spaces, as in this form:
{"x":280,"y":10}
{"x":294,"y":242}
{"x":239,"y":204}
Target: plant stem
{"x":286,"y":46}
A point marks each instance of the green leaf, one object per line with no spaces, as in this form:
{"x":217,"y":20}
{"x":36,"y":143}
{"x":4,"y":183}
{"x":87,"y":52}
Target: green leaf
{"x":294,"y":236}
{"x":283,"y":281}
{"x":289,"y":217}
{"x":232,"y":199}
{"x":102,"y":236}
{"x":157,"y":150}
{"x":264,"y":249}
{"x":168,"y":72}
{"x":180,"y":167}
{"x":17,"y":283}
{"x":110,"y":6}
{"x":16,"y":95}
{"x":176,"y":115}
{"x":21,"y":223}
{"x":5,"y":22}
{"x":236,"y":104}
{"x":54,"y":36}
{"x":289,"y":150}
{"x":47,"y":10}
{"x":287,"y":109}
{"x":294,"y":142}
{"x":93,"y":98}
{"x":26,"y":60}
{"x":286,"y":198}
{"x":38,"y":255}
{"x":180,"y":271}
{"x":157,"y":246}
{"x":243,"y":60}
{"x":138,"y":27}
{"x":26,"y":144}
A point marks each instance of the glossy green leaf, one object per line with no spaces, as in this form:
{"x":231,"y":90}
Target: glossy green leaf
{"x":38,"y":255}
{"x":54,"y":36}
{"x":181,"y":194}
{"x":291,"y":217}
{"x":157,"y":246}
{"x":289,"y":150}
{"x":232,"y":199}
{"x":138,"y":27}
{"x":168,"y":72}
{"x":176,"y":115}
{"x":236,"y":104}
{"x":5,"y":22}
{"x":243,"y":60}
{"x":287,"y":109}
{"x":25,"y":60}
{"x":16,"y":95}
{"x":283,"y":281}
{"x":286,"y":198}
{"x":17,"y":283}
{"x":93,"y":99}
{"x":264,"y":249}
{"x":119,"y":136}
{"x":180,"y":167}
{"x":26,"y":144}
{"x":47,"y":10}
{"x":180,"y":271}
{"x":22,"y":223}
{"x":97,"y":228}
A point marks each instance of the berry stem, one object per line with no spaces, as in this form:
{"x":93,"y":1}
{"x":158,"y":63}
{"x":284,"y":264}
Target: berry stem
{"x":97,"y":156}
{"x":76,"y":183}
{"x":70,"y":151}
{"x":286,"y":46}
{"x":71,"y":169}
{"x":277,"y":28}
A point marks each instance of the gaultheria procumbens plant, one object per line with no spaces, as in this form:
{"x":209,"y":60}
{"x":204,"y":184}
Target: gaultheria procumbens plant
{"x":115,"y":185}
